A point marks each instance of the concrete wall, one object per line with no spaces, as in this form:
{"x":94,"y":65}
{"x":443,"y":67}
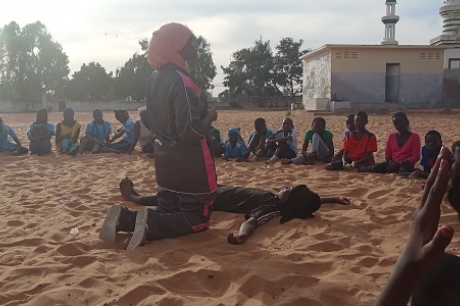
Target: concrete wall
{"x":370,"y":87}
{"x":451,"y":87}
{"x":78,"y":106}
{"x":317,"y":77}
{"x":358,"y":74}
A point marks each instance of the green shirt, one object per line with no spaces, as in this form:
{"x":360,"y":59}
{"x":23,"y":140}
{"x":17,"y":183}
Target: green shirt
{"x":326,"y":136}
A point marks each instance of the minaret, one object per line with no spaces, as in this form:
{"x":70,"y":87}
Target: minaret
{"x":390,"y":20}
{"x":450,"y":13}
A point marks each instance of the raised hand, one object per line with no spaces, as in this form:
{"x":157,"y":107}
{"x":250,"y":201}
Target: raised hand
{"x":427,"y":242}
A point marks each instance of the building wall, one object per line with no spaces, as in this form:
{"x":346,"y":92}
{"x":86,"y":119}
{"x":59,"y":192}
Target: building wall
{"x":359,"y":74}
{"x":317,"y":76}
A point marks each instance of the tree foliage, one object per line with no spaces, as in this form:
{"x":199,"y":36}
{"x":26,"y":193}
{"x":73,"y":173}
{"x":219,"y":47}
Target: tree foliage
{"x":31,"y":63}
{"x":203,"y":70}
{"x":131,"y":79}
{"x":288,"y":66}
{"x":90,"y":83}
{"x":257,"y":72}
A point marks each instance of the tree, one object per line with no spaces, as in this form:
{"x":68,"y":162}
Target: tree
{"x":288,"y":66}
{"x":252,"y":72}
{"x":131,"y":79}
{"x":203,"y":70}
{"x":31,"y":63}
{"x":90,"y":83}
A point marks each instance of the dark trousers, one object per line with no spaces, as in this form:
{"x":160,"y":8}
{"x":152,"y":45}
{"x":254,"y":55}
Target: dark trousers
{"x":382,"y":168}
{"x":176,"y":215}
{"x":286,"y":151}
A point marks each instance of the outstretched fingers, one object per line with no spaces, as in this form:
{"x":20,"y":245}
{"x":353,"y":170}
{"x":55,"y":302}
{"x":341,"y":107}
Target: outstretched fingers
{"x":444,"y":154}
{"x":438,"y":188}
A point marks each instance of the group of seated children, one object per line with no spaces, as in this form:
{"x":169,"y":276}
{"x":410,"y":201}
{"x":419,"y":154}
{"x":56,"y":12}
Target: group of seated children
{"x":402,"y":151}
{"x":95,"y":140}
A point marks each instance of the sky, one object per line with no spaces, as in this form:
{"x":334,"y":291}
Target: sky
{"x":108,"y":31}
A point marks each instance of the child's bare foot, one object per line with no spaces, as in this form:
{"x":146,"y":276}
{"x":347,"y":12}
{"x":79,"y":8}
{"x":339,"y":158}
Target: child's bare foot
{"x":125,"y":190}
{"x":131,"y":186}
{"x":272,"y":160}
{"x":236,"y":239}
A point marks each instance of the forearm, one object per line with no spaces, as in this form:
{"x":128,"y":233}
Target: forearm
{"x":18,"y":143}
{"x":115,"y":137}
{"x":400,"y":285}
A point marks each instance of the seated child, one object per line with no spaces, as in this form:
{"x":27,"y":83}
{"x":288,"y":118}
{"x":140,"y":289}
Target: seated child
{"x":40,"y":133}
{"x":284,"y":142}
{"x":127,"y":130}
{"x":402,"y":151}
{"x":97,"y":134}
{"x":257,"y":140}
{"x":430,"y":151}
{"x":143,"y":133}
{"x":322,"y":146}
{"x":7,"y":146}
{"x":67,"y":133}
{"x":217,"y":141}
{"x":350,"y":123}
{"x":234,"y":147}
{"x":259,"y":206}
{"x":358,"y":148}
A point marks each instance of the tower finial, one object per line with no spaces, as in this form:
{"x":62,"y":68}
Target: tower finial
{"x":390,"y":20}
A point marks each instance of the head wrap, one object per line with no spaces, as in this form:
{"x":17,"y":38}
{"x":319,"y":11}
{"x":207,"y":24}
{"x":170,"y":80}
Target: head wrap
{"x":141,"y":109}
{"x":166,"y":43}
{"x":234,"y":131}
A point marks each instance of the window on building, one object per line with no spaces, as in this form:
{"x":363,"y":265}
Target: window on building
{"x":422,"y":55}
{"x":346,"y":54}
{"x":454,"y":63}
{"x":430,"y":55}
{"x":338,"y":55}
{"x":437,"y":55}
{"x":354,"y":54}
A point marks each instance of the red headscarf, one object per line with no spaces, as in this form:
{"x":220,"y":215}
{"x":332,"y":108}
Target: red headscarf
{"x":166,"y":43}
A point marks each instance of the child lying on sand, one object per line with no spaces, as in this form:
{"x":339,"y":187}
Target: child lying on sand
{"x":258,"y":205}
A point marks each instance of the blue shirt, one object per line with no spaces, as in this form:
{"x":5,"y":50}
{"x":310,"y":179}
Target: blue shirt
{"x":7,"y":131}
{"x":49,"y":128}
{"x":237,"y":152}
{"x":99,"y":132}
{"x":428,"y":160}
{"x":128,"y":129}
{"x":270,"y":133}
{"x":347,"y":132}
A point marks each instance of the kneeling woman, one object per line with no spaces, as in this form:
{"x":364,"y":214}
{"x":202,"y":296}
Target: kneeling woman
{"x":143,"y":133}
{"x":402,"y":151}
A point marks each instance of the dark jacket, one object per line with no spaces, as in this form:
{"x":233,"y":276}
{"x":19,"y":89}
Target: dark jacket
{"x":183,"y":160}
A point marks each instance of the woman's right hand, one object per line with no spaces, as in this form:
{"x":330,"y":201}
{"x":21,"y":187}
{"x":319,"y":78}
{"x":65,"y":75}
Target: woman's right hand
{"x":212,"y":114}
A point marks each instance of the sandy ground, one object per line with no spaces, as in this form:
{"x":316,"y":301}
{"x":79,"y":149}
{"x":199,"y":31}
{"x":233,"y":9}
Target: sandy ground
{"x":341,"y":257}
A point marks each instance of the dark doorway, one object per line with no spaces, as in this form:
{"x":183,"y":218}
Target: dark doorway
{"x":392,"y":83}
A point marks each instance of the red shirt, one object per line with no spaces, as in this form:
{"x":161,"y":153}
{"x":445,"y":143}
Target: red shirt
{"x":410,"y":151}
{"x":357,"y":149}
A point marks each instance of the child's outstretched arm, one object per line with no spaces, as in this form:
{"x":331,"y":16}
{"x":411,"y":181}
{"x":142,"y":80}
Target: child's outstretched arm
{"x":335,"y":200}
{"x":426,"y":244}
